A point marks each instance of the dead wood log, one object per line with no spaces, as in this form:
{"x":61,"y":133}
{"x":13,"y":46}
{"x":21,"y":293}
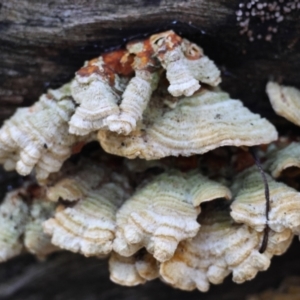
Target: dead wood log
{"x":42,"y":43}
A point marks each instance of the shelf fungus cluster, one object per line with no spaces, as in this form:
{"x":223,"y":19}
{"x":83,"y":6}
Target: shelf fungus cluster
{"x":189,"y":221}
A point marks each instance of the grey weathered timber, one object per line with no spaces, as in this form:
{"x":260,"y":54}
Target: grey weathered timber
{"x":42,"y":44}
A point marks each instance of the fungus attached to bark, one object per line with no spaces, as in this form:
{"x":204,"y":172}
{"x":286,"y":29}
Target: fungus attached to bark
{"x":163,"y":213}
{"x":285,"y":101}
{"x":193,"y":125}
{"x":156,"y":98}
{"x":89,"y":225}
{"x":37,"y":137}
{"x":221,"y":247}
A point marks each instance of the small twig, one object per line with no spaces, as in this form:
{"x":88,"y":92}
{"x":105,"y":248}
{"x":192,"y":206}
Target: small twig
{"x":253,"y":151}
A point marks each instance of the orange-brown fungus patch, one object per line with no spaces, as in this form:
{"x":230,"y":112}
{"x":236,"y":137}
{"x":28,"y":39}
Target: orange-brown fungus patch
{"x":119,"y":62}
{"x":89,"y":70}
{"x":105,"y":73}
{"x":145,"y":59}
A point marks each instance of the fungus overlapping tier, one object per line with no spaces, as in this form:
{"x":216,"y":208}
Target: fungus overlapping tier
{"x":193,"y":125}
{"x":22,"y":213}
{"x":37,"y":137}
{"x":166,"y":218}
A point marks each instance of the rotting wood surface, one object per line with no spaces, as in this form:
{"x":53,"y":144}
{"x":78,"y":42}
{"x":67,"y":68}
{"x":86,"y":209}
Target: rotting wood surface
{"x":42,"y":44}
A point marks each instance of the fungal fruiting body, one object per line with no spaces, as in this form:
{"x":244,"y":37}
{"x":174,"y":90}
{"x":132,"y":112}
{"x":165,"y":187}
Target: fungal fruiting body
{"x":167,"y":47}
{"x":249,"y":203}
{"x":111,"y":97}
{"x":133,"y":270}
{"x":97,"y":87}
{"x":139,"y":89}
{"x":88,"y":226}
{"x":37,"y":137}
{"x":21,"y":218}
{"x":157,"y":98}
{"x":36,"y":241}
{"x":285,"y":100}
{"x":200,"y":123}
{"x":13,"y":214}
{"x":159,"y":229}
{"x":184,"y":63}
{"x":200,"y":66}
{"x":280,"y":160}
{"x":163,"y":213}
{"x":123,"y":94}
{"x":221,"y":247}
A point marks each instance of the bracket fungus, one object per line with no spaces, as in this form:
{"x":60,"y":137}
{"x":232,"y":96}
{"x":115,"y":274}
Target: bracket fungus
{"x":285,"y":101}
{"x":280,"y":160}
{"x":221,"y":247}
{"x":200,"y":123}
{"x":156,"y":98}
{"x":97,"y":87}
{"x":248,"y":206}
{"x":139,"y":89}
{"x":184,"y":62}
{"x":163,"y":213}
{"x":13,"y":214}
{"x":133,"y":270}
{"x":110,"y":98}
{"x":88,"y":226}
{"x":37,"y":136}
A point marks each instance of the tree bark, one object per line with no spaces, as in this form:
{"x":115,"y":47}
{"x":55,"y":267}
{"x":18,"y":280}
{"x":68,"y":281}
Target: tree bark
{"x":42,"y":44}
{"x":72,"y":276}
